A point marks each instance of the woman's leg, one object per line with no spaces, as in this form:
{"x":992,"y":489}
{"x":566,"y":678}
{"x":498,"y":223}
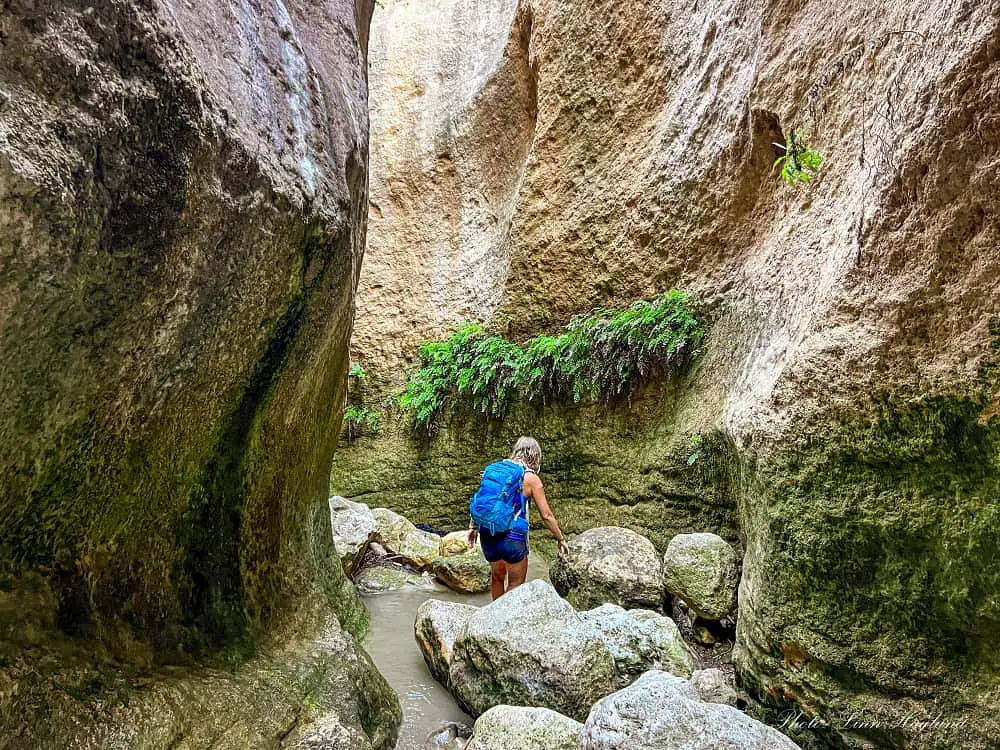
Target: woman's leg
{"x":498,"y":578}
{"x":516,"y":573}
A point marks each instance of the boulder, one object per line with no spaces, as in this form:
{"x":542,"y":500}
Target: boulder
{"x":713,"y":686}
{"x":660,"y":711}
{"x":524,"y":728}
{"x":391,"y":527}
{"x":378,"y":578}
{"x":609,"y":564}
{"x":403,"y":539}
{"x":640,"y":640}
{"x":530,"y":647}
{"x":702,"y":570}
{"x":435,"y":629}
{"x":468,"y":573}
{"x":353,"y":530}
{"x":455,"y":543}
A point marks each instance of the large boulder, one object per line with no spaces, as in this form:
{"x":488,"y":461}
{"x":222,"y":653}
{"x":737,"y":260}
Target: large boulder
{"x":408,"y":543}
{"x":609,"y":564}
{"x":524,"y":728}
{"x":435,"y":629}
{"x":640,"y":640}
{"x":702,"y":569}
{"x":660,"y":711}
{"x":531,"y":648}
{"x":468,"y":573}
{"x":353,"y":530}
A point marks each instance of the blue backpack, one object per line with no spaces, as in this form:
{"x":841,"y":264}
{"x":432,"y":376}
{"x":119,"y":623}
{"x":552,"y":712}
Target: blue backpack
{"x":497,"y":503}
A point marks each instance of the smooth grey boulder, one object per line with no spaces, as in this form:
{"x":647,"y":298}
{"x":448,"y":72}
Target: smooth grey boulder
{"x":640,"y":640}
{"x":531,"y":648}
{"x":610,"y":564}
{"x":353,"y":530}
{"x":713,"y":686}
{"x":435,"y":629}
{"x":660,"y":711}
{"x":702,"y":569}
{"x":524,"y":728}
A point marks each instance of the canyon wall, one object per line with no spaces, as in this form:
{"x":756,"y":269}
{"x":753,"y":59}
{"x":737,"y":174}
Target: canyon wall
{"x":183,"y":192}
{"x":848,"y":388}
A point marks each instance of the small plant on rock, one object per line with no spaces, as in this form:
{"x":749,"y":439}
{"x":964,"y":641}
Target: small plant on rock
{"x":358,"y":420}
{"x":800,"y":162}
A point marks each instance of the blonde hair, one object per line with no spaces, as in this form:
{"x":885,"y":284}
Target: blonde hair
{"x":528,"y":452}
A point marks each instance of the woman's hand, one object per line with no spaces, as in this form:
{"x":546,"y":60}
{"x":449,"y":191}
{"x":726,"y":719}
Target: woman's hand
{"x":473,"y":534}
{"x":563,"y":548}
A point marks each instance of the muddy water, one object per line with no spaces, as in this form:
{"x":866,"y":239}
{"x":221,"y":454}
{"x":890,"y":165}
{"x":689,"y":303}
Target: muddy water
{"x":390,"y":642}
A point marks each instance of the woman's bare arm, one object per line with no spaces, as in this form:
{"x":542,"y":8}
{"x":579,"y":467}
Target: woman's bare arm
{"x":533,"y":488}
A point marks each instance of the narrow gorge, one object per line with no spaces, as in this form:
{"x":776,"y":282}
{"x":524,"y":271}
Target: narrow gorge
{"x":734,"y":264}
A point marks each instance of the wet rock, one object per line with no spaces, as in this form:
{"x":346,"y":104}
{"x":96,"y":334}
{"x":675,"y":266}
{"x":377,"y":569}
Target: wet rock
{"x":435,"y":629}
{"x":378,"y":578}
{"x":467,"y":574}
{"x":609,"y":564}
{"x":660,"y":711}
{"x":455,"y":543}
{"x":524,"y":728}
{"x":640,"y":640}
{"x":408,"y":543}
{"x":702,"y":570}
{"x":449,"y":736}
{"x":713,"y":686}
{"x":353,"y":530}
{"x":530,"y":647}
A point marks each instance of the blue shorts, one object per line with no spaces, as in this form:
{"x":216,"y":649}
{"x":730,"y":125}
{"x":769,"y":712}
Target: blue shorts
{"x":509,"y":546}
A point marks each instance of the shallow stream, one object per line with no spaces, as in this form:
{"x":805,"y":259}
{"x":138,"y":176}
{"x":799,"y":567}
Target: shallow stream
{"x":426,"y":704}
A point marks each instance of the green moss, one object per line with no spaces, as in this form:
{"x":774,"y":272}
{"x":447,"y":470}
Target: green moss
{"x":876,"y":550}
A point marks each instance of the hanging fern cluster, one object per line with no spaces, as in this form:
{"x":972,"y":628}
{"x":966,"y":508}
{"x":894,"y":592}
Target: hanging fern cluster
{"x":598,"y":356}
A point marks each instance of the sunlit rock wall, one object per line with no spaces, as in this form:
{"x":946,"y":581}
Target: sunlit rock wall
{"x":850,"y":374}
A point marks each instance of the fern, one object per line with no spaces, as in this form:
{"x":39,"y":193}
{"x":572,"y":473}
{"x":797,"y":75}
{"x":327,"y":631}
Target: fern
{"x":598,"y":356}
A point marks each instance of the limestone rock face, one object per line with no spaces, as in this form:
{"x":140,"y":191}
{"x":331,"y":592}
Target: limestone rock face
{"x":400,"y":536}
{"x":847,"y":392}
{"x":702,"y":570}
{"x":183,"y":193}
{"x":353,"y":529}
{"x":435,"y":629}
{"x":467,"y":574}
{"x":660,"y":711}
{"x":524,"y":728}
{"x":609,"y":564}
{"x":640,"y":640}
{"x":530,"y":648}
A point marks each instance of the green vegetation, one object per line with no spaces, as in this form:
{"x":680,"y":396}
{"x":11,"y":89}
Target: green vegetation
{"x":800,"y":162}
{"x":356,"y":372}
{"x":358,"y":419}
{"x":696,"y":441}
{"x":600,"y":355}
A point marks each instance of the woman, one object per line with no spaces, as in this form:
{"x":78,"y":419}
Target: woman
{"x":507,"y":551}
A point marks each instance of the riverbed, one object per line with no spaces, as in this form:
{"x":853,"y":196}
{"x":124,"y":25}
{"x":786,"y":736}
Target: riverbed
{"x":426,"y":704}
